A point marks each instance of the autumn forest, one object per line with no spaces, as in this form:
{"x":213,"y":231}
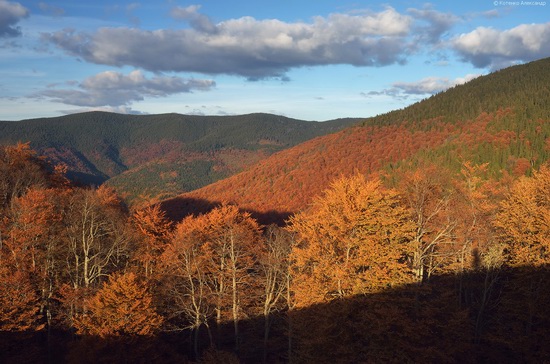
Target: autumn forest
{"x":422,"y":235}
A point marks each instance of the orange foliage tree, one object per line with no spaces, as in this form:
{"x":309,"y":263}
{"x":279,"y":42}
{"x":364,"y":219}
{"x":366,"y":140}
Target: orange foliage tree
{"x":275,"y":275}
{"x":153,"y":229}
{"x":232,"y":239}
{"x":122,"y":307}
{"x":476,"y":208}
{"x":352,"y":240}
{"x":19,"y":302}
{"x":33,"y":218}
{"x":94,"y":233}
{"x":523,"y":225}
{"x":33,"y":241}
{"x":524,"y":219}
{"x":220,"y":247}
{"x":429,"y":198}
{"x":185,"y":289}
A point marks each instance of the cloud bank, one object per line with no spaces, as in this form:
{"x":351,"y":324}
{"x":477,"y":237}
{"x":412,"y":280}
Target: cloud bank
{"x":116,"y":89}
{"x":256,"y":48}
{"x":492,"y":48}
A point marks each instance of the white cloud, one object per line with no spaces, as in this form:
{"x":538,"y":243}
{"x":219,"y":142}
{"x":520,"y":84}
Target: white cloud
{"x":246,"y":46}
{"x":269,"y":48}
{"x":115,"y":89}
{"x":488,"y":47}
{"x":10,"y":14}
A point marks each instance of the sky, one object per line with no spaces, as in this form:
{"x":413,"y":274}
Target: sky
{"x":305,"y":59}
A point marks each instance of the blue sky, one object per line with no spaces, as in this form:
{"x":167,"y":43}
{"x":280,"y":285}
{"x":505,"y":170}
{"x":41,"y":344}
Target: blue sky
{"x":313,"y":60}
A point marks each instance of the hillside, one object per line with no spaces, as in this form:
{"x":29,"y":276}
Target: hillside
{"x":367,"y":274}
{"x":502,"y":119}
{"x":161,"y":155}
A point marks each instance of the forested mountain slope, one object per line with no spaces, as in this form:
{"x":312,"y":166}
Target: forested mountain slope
{"x":161,"y":154}
{"x":502,"y":119}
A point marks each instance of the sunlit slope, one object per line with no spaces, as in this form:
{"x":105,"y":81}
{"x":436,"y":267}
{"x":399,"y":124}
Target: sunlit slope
{"x":502,"y":118}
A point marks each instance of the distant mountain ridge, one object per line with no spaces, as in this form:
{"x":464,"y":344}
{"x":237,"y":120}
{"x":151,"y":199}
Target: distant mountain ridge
{"x":97,"y":146}
{"x":502,"y":119}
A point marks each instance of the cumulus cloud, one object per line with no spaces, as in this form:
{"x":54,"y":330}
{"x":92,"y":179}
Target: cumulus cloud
{"x":246,"y":46}
{"x":488,"y":47}
{"x":115,"y":89}
{"x":10,"y":14}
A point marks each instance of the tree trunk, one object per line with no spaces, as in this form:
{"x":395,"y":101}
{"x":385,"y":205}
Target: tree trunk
{"x":235,"y":309}
{"x":196,"y":336}
{"x":266,"y":336}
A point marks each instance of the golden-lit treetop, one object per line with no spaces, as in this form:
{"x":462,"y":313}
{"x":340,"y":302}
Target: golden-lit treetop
{"x":350,"y":241}
{"x":524,"y":219}
{"x":123,"y":306}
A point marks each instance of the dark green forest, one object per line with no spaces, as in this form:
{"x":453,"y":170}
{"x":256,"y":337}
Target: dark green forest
{"x":522,"y":88}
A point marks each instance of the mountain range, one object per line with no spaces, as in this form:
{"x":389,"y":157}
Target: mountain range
{"x":156,"y":156}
